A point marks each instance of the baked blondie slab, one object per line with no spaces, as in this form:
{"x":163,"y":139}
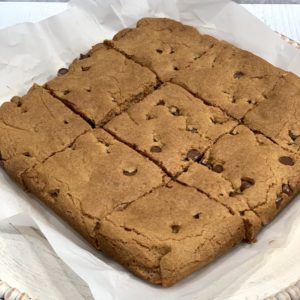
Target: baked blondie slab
{"x":196,"y":147}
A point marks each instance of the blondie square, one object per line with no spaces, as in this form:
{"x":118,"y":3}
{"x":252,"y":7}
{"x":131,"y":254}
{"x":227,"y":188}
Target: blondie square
{"x":34,"y":127}
{"x":163,"y":45}
{"x":230,"y":78}
{"x":169,"y":233}
{"x":172,"y":127}
{"x":101,"y":84}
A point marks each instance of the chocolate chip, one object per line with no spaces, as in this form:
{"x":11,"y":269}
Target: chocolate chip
{"x":197,"y":216}
{"x":286,"y":160}
{"x":17,"y":100}
{"x":192,"y":129}
{"x":85,"y":68}
{"x":207,"y":164}
{"x":174,"y":111}
{"x":234,"y":193}
{"x":66,"y":121}
{"x":159,"y":51}
{"x":175,"y":228}
{"x":161,"y":102}
{"x":278,"y":200}
{"x":197,"y":56}
{"x":27,"y":154}
{"x":246,"y":183}
{"x":149,"y":117}
{"x":66,"y":92}
{"x":292,"y":135}
{"x":194,"y":155}
{"x":218,"y":168}
{"x":130,"y":171}
{"x":238,"y":74}
{"x":62,"y":71}
{"x":155,"y":149}
{"x":54,"y":193}
{"x":176,"y":69}
{"x":287,"y":189}
{"x":83,"y":56}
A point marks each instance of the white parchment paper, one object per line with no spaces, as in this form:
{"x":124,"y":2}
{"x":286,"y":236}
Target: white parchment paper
{"x":33,"y":53}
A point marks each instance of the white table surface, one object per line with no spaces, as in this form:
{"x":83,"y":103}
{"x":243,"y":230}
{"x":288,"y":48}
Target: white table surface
{"x":282,"y":18}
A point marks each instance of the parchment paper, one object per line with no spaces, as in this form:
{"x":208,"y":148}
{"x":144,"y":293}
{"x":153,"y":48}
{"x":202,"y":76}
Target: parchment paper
{"x":33,"y":53}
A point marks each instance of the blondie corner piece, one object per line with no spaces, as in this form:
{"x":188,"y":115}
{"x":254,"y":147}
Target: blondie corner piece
{"x":163,"y":45}
{"x":91,"y":178}
{"x":101,"y":84}
{"x":278,"y":117}
{"x":169,"y":233}
{"x":172,"y":127}
{"x":34,"y":127}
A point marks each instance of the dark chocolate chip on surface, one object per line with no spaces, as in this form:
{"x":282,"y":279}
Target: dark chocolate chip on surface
{"x":175,"y":228}
{"x":194,"y":155}
{"x":62,"y":71}
{"x":292,"y":135}
{"x":286,"y":160}
{"x":130,"y":171}
{"x":246,"y":182}
{"x":238,"y":75}
{"x":155,"y":149}
{"x":287,"y":189}
{"x":192,"y":129}
{"x":218,"y":168}
{"x":54,"y":193}
{"x":83,"y":56}
{"x":174,"y":111}
{"x":234,"y":193}
{"x":85,"y":68}
{"x":161,"y":102}
{"x":197,"y":216}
